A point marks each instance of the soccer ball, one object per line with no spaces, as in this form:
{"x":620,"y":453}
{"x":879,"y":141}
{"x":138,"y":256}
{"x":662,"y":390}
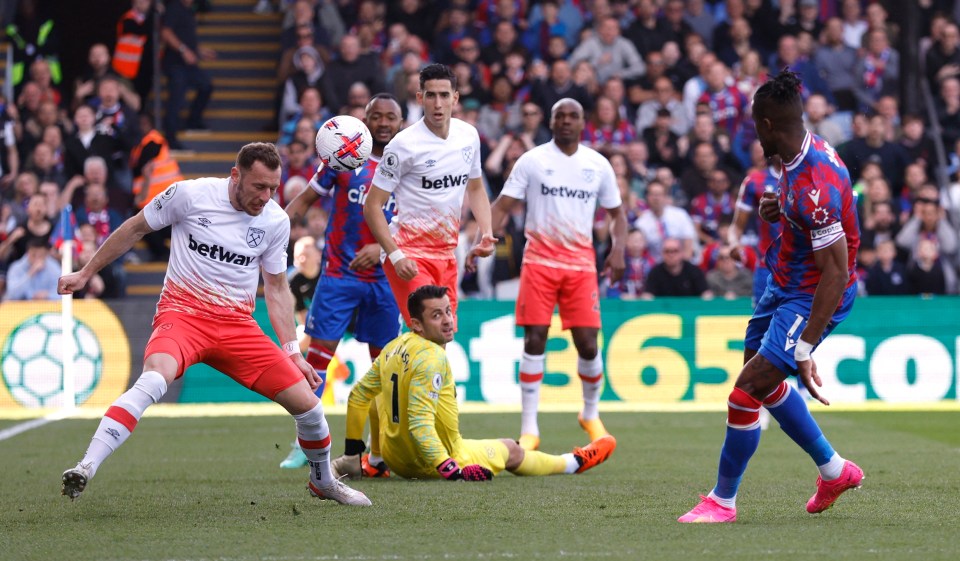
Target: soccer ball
{"x":344,"y":143}
{"x":32,"y":368}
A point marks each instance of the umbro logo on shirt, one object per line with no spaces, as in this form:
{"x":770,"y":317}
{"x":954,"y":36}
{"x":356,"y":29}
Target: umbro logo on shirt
{"x":204,"y":222}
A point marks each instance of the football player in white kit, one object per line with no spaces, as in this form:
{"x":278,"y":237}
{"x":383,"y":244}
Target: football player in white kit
{"x":225,"y":233}
{"x":562,"y":182}
{"x":429,"y":166}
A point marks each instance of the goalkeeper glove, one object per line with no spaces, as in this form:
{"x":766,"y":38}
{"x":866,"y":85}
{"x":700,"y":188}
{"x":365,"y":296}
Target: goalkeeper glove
{"x":451,"y":471}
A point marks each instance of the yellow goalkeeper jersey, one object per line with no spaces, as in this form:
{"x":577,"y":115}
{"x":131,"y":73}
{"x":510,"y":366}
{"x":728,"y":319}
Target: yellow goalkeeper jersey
{"x":419,"y":418}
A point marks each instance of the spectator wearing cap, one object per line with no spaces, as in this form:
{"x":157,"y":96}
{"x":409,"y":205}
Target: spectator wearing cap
{"x":805,"y":19}
{"x":662,"y":141}
{"x":308,"y":74}
{"x":34,"y":276}
{"x":610,"y":54}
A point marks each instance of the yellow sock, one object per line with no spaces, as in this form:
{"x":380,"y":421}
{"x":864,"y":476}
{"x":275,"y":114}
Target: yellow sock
{"x":374,"y":429}
{"x":538,"y":463}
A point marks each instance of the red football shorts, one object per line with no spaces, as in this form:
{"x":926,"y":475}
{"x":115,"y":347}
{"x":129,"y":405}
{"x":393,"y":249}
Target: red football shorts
{"x":239,"y":349}
{"x":542,"y":288}
{"x":439,"y":272}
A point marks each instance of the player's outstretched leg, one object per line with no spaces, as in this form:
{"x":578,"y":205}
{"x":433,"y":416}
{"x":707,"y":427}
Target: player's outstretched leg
{"x":836,"y":474}
{"x":314,"y":436}
{"x":115,"y":427}
{"x":531,"y":376}
{"x":743,"y":437}
{"x":533,"y":462}
{"x":595,"y":453}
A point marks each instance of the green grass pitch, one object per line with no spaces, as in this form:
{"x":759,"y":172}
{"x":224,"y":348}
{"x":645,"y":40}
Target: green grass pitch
{"x":210,"y":489}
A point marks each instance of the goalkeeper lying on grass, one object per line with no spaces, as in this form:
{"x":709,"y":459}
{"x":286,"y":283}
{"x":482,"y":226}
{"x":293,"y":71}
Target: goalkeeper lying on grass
{"x":419,"y":432}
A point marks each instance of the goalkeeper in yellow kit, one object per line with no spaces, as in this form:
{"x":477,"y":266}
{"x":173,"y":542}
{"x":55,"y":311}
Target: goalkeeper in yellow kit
{"x":419,"y":421}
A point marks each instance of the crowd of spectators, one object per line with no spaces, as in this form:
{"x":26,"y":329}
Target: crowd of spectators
{"x":666,"y":85}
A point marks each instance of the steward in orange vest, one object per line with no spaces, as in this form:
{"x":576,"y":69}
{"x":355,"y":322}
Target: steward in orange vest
{"x":133,"y":53}
{"x":153,"y":168}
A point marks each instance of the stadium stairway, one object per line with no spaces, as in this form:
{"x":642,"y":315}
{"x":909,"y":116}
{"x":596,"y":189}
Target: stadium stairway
{"x":244,"y":81}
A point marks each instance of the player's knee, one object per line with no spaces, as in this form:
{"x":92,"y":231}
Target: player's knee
{"x":587,"y":350}
{"x":534,"y":341}
{"x":164,"y":363}
{"x":743,"y":410}
{"x":514,"y":454}
{"x":585,"y":340}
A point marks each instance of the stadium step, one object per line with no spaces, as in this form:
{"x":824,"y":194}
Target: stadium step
{"x":241,"y":108}
{"x":245,"y":85}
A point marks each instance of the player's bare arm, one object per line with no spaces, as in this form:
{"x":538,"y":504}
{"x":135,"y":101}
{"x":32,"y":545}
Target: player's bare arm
{"x":739,"y":225}
{"x":832,"y":262}
{"x":116,"y":245}
{"x":615,"y":263}
{"x":297,"y":208}
{"x":499,"y":211}
{"x":480,"y":207}
{"x":373,"y":215}
{"x":279,"y":299}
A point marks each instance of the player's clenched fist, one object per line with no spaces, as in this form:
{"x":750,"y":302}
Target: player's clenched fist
{"x":406,"y":268}
{"x":68,"y":284}
{"x":770,"y":207}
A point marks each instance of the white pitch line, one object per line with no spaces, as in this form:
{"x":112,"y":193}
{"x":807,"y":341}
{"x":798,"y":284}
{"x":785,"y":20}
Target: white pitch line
{"x":32,"y":424}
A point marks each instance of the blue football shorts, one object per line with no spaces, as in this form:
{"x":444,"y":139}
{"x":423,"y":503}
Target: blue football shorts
{"x":779,"y":319}
{"x":337,"y":300}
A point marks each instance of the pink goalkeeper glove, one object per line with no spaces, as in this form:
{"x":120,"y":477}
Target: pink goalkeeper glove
{"x":451,"y":471}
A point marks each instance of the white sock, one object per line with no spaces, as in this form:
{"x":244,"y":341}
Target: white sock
{"x":591,"y":379}
{"x":314,"y":437}
{"x":729,"y":503}
{"x":572,"y":464}
{"x":374,"y":460}
{"x":531,"y":376}
{"x":832,"y":469}
{"x":122,"y":417}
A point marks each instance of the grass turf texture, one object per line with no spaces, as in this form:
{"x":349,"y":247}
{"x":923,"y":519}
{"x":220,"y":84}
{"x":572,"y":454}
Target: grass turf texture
{"x":210,"y":488}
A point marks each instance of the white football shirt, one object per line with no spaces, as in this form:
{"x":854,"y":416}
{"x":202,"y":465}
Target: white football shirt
{"x":216,"y":251}
{"x":562,"y":193}
{"x":429,"y":175}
